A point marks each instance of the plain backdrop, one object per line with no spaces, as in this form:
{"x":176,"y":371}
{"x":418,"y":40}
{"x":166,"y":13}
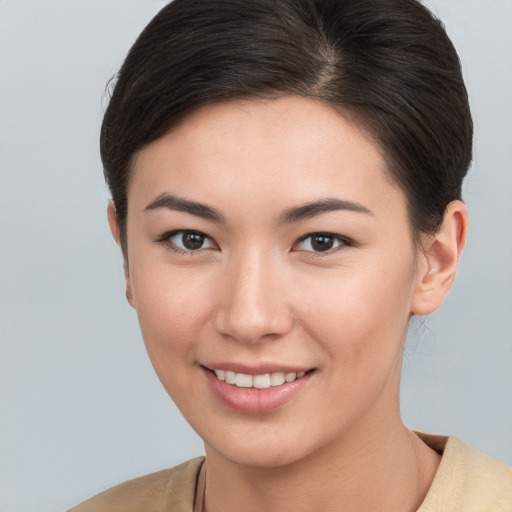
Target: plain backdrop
{"x":81,"y":408}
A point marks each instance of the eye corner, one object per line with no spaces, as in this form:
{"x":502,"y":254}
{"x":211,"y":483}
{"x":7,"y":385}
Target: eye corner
{"x":326,"y":243}
{"x":174,"y":241}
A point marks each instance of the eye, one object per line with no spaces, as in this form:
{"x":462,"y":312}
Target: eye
{"x":187,"y":241}
{"x":321,"y":242}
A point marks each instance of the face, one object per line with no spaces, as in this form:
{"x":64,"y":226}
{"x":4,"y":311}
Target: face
{"x":272,"y":268}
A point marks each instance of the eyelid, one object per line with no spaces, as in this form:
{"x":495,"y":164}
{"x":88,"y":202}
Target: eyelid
{"x":343,"y":243}
{"x":165,"y":239}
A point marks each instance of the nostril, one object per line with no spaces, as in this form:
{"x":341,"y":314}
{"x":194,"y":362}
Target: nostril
{"x":250,"y":324}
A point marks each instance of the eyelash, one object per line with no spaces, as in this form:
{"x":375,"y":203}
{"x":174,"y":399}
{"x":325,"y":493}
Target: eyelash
{"x":166,"y":239}
{"x":342,"y":241}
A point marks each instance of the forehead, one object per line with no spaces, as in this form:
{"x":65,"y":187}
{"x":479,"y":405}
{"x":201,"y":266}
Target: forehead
{"x":290,"y":149}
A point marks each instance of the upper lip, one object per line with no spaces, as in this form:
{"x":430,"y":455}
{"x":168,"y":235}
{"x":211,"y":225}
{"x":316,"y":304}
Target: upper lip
{"x":259,"y":369}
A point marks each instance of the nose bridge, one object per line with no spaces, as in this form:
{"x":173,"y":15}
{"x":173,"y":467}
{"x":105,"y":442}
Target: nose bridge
{"x":254,"y":300}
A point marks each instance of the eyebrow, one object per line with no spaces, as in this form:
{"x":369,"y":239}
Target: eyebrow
{"x":289,"y":216}
{"x":176,"y":203}
{"x":310,"y":210}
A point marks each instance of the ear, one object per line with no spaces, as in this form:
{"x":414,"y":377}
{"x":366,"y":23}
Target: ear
{"x":115,"y":229}
{"x":439,"y":258}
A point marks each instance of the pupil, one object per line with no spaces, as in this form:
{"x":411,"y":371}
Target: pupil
{"x":193,"y":241}
{"x":322,"y":243}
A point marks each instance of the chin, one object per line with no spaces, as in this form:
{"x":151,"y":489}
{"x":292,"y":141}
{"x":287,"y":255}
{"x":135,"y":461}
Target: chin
{"x":261,"y":444}
{"x":258,"y":455}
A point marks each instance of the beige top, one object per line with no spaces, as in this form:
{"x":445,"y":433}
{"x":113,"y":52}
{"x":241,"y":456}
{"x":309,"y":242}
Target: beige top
{"x":466,"y":481}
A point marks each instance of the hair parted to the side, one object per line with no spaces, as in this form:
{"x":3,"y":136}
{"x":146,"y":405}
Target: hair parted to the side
{"x":386,"y":64}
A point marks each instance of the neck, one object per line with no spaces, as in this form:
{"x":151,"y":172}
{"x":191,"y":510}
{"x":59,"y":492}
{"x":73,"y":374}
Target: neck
{"x":388,"y":469}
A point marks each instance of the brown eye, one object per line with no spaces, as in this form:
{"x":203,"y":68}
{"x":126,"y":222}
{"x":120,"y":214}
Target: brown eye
{"x":322,"y":242}
{"x":192,"y":241}
{"x":187,"y":241}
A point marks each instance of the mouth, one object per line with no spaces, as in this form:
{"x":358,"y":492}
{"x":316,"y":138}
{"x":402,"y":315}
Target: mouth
{"x":261,"y":381}
{"x":256,"y":391}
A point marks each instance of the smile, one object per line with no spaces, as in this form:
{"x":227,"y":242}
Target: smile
{"x":263,"y":381}
{"x":259,"y":391}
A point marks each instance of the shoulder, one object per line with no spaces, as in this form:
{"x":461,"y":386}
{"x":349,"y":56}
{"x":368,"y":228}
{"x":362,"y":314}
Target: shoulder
{"x":467,"y":480}
{"x":171,"y":489}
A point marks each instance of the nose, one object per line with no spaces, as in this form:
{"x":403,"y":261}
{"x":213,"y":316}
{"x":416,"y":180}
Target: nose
{"x":253,"y":302}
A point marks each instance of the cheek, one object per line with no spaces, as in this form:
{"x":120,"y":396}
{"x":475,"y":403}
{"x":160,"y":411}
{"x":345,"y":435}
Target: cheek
{"x":359,"y":316}
{"x":173,"y":307}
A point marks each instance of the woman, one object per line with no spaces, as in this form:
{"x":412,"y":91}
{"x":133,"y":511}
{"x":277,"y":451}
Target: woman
{"x":286,"y":182}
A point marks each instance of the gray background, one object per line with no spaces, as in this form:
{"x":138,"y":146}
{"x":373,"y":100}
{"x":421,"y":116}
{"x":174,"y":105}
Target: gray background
{"x":80,"y":406}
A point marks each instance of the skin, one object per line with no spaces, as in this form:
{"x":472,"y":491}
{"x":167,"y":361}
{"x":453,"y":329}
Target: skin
{"x":257,"y":293}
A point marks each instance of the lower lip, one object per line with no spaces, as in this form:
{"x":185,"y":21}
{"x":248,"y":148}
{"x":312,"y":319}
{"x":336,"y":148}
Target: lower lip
{"x":255,"y":401}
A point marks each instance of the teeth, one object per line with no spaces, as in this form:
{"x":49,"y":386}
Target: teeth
{"x":243,"y":380}
{"x":264,"y":381}
{"x":261,"y":381}
{"x":276,"y":379}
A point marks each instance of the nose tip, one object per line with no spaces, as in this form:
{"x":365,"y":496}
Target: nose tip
{"x":253,"y":305}
{"x":251,"y":326}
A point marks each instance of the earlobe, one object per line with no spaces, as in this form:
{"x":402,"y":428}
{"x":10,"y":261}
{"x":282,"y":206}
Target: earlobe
{"x":115,"y":229}
{"x":128,"y":284}
{"x":439,"y":259}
